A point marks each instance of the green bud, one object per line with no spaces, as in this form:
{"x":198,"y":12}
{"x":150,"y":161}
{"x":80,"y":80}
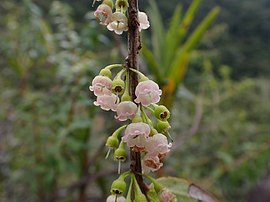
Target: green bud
{"x":105,"y":72}
{"x":153,"y":131}
{"x":108,"y":2}
{"x":118,"y":86}
{"x":118,"y":187}
{"x":163,"y":126}
{"x":139,"y":196}
{"x":161,"y":112}
{"x":112,"y":142}
{"x":125,"y":97}
{"x":121,"y":5}
{"x":137,"y":118}
{"x":120,"y":154}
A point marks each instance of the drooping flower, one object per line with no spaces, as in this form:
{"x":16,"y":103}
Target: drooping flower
{"x":126,"y":110}
{"x":158,"y":145}
{"x":165,"y":195}
{"x":147,"y":92}
{"x":114,"y":198}
{"x":107,"y":102}
{"x":101,"y":85}
{"x":136,"y":135}
{"x":103,"y":13}
{"x":143,"y":20}
{"x":151,"y":163}
{"x":118,"y":23}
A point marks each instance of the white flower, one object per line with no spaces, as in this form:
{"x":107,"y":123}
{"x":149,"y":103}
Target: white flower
{"x":126,"y":110}
{"x":113,"y":198}
{"x":136,"y":135}
{"x":143,"y":20}
{"x":118,"y":23}
{"x":158,"y":145}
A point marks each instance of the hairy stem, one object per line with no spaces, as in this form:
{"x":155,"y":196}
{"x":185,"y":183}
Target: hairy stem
{"x":134,"y":46}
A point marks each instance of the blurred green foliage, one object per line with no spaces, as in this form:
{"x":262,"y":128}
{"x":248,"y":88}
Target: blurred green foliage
{"x":52,"y":137}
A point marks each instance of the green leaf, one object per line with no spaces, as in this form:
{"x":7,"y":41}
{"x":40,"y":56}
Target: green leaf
{"x":190,"y":44}
{"x":188,"y":18}
{"x":171,"y":39}
{"x":197,"y":34}
{"x":157,"y":30}
{"x":185,"y":190}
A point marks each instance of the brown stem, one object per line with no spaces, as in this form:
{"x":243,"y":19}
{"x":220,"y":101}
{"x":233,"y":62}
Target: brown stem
{"x":134,"y":46}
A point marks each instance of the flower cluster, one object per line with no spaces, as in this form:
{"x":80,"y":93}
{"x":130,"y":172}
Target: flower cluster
{"x":117,"y":21}
{"x":146,"y":123}
{"x":146,"y":133}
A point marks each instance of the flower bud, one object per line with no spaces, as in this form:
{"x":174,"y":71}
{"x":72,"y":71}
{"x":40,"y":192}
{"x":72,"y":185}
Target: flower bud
{"x":108,"y":2}
{"x":165,"y":195}
{"x":118,"y":187}
{"x":120,"y":154}
{"x":161,"y":112}
{"x":118,"y":86}
{"x":163,"y":126}
{"x":121,"y":5}
{"x":105,"y":72}
{"x":112,"y":142}
{"x":138,"y":195}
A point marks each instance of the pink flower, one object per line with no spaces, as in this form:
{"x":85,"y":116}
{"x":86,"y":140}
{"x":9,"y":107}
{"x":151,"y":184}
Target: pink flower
{"x":136,"y":135}
{"x":158,"y":145}
{"x":143,"y":20}
{"x":126,"y":110}
{"x":151,"y":163}
{"x":107,"y":102}
{"x":114,"y":198}
{"x":103,"y":13}
{"x":165,"y":195}
{"x":147,"y":92}
{"x":101,"y":85}
{"x":118,"y":23}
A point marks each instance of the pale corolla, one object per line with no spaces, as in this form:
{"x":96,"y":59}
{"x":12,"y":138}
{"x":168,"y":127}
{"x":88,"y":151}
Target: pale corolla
{"x":118,"y":23}
{"x":103,"y":13}
{"x":107,"y":102}
{"x":114,"y":198}
{"x":165,"y":195}
{"x":158,"y":145}
{"x":151,"y":163}
{"x":101,"y":85}
{"x":136,"y":135}
{"x":126,"y":110}
{"x":143,"y":20}
{"x":147,"y":92}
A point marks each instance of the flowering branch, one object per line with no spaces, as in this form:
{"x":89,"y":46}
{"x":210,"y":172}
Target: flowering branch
{"x":134,"y":98}
{"x":134,"y":46}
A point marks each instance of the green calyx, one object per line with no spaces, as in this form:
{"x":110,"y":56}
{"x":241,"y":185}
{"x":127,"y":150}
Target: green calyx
{"x":153,"y":131}
{"x":161,"y":112}
{"x":118,"y":186}
{"x":112,"y":142}
{"x":105,"y":72}
{"x":120,"y":153}
{"x":137,"y":118}
{"x":138,"y":195}
{"x":157,"y":186}
{"x":163,"y":126}
{"x":121,"y":5}
{"x":108,"y":2}
{"x":118,"y":86}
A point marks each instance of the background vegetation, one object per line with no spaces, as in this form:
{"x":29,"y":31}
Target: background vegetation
{"x":52,"y":137}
